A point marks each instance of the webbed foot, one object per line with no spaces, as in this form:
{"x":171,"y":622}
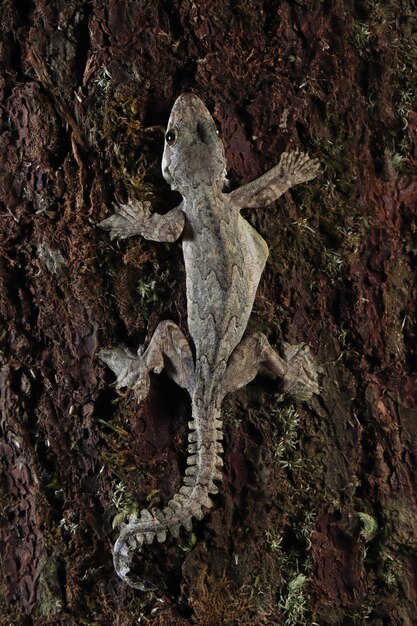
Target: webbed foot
{"x":297,"y":167}
{"x":301,"y":378}
{"x":297,"y":370}
{"x":130,"y":370}
{"x":127,"y":219}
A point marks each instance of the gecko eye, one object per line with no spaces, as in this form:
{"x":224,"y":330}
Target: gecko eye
{"x":171,"y":137}
{"x":217,"y":125}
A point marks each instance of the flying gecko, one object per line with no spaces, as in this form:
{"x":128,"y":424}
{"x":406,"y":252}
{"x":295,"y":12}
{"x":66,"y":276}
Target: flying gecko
{"x":224,"y":258}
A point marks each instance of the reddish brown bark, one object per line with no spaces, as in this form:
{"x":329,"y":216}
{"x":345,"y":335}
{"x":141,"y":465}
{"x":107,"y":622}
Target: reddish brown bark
{"x":316,"y":520}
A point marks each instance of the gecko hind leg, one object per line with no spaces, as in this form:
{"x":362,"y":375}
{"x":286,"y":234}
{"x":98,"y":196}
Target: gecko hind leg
{"x":254,"y":355}
{"x":167,"y":349}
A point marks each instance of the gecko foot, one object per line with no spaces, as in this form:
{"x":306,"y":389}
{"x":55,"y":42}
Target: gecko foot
{"x":127,"y":220}
{"x":130,"y":370}
{"x":298,"y":167}
{"x":301,"y":378}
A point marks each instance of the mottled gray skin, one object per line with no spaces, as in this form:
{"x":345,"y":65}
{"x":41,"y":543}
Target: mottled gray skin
{"x":224,"y":259}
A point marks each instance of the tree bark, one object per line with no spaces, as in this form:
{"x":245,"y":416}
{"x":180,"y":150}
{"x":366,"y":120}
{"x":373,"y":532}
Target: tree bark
{"x":316,"y":520}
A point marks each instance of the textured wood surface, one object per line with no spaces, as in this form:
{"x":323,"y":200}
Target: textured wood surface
{"x":317,"y":517}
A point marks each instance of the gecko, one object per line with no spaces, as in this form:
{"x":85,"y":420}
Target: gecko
{"x":224,"y":257}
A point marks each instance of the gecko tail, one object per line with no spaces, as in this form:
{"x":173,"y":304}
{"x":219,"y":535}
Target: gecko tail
{"x":204,"y":465}
{"x":192,"y":501}
{"x":123,"y":552}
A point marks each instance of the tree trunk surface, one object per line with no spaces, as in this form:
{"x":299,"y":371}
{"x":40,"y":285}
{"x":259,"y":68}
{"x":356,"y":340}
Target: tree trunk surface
{"x":316,"y":519}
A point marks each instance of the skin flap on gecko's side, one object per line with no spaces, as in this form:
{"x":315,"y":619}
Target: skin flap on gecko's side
{"x":224,"y":259}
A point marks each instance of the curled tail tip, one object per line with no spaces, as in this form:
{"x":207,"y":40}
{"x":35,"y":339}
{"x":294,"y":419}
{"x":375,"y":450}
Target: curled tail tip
{"x":191,"y":501}
{"x":150,"y":524}
{"x":122,"y":561}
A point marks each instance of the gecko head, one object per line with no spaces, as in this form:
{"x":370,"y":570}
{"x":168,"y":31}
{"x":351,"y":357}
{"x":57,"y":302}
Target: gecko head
{"x":193,"y":152}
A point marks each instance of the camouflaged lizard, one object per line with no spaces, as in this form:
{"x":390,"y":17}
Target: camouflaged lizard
{"x":224,"y":259}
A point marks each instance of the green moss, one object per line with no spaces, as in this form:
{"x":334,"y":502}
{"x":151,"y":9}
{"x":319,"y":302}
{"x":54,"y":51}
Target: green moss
{"x":289,"y":536}
{"x":117,"y":454}
{"x":330,"y":225}
{"x":104,"y":80}
{"x":293,"y":602}
{"x":134,"y":148}
{"x":369,"y":526}
{"x":219,"y":601}
{"x":51,"y":599}
{"x":380,"y":39}
{"x":286,"y":437}
{"x":124,"y":502}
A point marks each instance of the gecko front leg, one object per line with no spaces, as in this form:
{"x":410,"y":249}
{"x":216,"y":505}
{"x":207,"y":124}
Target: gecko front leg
{"x":136,"y":218}
{"x":293,"y":168}
{"x":255,"y":355}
